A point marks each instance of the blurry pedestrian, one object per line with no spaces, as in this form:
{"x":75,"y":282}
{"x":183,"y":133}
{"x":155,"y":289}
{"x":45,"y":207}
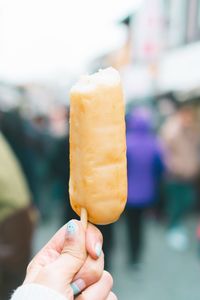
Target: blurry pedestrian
{"x":27,"y":143}
{"x":145,"y":166}
{"x":198,"y":239}
{"x":15,"y":129}
{"x":58,"y":158}
{"x":17,"y":218}
{"x":58,"y":164}
{"x":181,"y":140}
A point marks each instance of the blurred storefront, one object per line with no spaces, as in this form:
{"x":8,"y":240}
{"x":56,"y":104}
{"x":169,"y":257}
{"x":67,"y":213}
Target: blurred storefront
{"x":161,"y":52}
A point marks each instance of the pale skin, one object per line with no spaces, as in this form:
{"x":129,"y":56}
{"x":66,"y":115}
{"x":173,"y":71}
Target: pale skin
{"x":73,"y":255}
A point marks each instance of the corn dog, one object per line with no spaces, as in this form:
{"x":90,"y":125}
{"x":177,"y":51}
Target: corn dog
{"x":98,"y":176}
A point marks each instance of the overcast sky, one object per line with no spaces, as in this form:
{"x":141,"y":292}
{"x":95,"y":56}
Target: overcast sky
{"x":40,"y":38}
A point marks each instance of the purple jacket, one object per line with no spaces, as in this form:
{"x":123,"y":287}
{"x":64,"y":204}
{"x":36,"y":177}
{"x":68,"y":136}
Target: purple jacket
{"x":144,"y":159}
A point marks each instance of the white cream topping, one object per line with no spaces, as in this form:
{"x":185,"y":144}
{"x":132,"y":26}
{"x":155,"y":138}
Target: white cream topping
{"x":104,"y":77}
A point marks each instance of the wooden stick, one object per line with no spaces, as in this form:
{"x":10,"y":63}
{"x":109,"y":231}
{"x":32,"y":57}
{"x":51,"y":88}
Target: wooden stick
{"x":84,"y":217}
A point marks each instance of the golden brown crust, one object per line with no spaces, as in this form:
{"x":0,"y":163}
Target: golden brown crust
{"x":98,"y":179}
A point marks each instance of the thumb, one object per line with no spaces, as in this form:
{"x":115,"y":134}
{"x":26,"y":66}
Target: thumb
{"x":74,"y":253}
{"x":59,"y":274}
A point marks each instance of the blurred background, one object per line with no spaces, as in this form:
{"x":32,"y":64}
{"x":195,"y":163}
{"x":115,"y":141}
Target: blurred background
{"x":153,"y":252}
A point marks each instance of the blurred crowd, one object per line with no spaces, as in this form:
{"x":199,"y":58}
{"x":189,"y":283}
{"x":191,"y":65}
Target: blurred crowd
{"x":163,"y":167}
{"x":34,"y":175}
{"x":169,"y":159}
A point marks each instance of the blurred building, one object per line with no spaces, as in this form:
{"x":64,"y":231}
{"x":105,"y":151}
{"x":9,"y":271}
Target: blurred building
{"x":161,"y":52}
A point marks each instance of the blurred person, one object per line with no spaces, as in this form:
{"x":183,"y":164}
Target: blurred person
{"x":27,"y":141}
{"x":17,"y":218}
{"x":180,"y":134}
{"x":198,"y":239}
{"x":70,"y":266}
{"x":31,"y":143}
{"x":58,"y":166}
{"x":19,"y":134}
{"x":41,"y":142}
{"x":197,"y":210}
{"x":58,"y":161}
{"x":145,"y":167}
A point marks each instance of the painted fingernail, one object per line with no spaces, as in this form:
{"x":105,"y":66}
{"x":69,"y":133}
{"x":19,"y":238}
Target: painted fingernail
{"x":71,"y":227}
{"x":98,"y":249}
{"x":77,"y":286}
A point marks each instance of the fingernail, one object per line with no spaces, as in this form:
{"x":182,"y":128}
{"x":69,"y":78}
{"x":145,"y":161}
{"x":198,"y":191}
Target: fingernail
{"x":98,"y":249}
{"x":71,"y":227}
{"x":77,"y":286}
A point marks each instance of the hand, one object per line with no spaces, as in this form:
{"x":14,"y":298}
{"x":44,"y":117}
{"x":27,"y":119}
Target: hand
{"x":71,"y":262}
